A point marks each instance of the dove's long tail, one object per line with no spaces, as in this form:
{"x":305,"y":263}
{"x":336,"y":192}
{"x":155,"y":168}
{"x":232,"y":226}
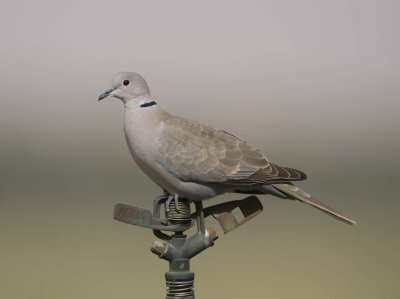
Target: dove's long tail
{"x":285,"y":190}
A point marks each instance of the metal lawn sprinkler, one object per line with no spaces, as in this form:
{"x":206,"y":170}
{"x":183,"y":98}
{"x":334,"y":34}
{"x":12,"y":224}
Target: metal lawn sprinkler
{"x":176,"y":248}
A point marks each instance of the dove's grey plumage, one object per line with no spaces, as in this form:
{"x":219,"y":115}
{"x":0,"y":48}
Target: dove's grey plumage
{"x":189,"y":159}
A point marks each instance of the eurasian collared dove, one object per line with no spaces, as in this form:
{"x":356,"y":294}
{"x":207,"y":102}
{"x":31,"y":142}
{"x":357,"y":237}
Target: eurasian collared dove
{"x":191,"y":160}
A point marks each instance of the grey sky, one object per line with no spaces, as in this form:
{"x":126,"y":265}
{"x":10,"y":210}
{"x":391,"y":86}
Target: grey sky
{"x":321,"y":67}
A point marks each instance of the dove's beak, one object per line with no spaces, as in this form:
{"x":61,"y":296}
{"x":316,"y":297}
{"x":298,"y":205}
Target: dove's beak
{"x":106,"y":94}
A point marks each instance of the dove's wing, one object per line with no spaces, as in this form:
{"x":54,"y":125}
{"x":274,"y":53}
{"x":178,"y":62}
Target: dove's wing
{"x":196,"y":152}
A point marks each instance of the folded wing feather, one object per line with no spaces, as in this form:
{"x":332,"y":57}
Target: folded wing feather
{"x":196,"y":152}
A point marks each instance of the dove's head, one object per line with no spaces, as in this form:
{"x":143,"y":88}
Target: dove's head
{"x":127,"y":86}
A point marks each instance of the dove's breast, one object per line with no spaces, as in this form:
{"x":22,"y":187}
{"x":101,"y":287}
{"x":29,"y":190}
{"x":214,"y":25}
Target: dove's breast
{"x":143,"y":127}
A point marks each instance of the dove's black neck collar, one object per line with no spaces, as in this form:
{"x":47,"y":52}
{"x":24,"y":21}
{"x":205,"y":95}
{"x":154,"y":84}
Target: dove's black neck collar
{"x":148,"y":104}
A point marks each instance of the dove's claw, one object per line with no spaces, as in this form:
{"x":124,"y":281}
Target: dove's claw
{"x":170,"y":198}
{"x":174,"y":198}
{"x":176,"y":201}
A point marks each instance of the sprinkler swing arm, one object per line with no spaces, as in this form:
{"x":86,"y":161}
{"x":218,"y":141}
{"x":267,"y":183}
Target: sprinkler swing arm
{"x":249,"y":206}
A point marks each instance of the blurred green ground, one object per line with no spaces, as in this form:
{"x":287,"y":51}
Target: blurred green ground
{"x":58,"y":238}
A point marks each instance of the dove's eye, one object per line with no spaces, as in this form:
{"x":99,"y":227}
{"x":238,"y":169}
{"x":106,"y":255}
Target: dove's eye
{"x":125,"y":82}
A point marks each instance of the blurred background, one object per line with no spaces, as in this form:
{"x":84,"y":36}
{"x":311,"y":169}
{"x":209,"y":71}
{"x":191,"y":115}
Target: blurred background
{"x":313,"y":84}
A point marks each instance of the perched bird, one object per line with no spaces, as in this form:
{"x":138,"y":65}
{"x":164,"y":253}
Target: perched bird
{"x":195,"y":161}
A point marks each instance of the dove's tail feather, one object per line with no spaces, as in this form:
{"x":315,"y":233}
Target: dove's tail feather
{"x":295,"y":192}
